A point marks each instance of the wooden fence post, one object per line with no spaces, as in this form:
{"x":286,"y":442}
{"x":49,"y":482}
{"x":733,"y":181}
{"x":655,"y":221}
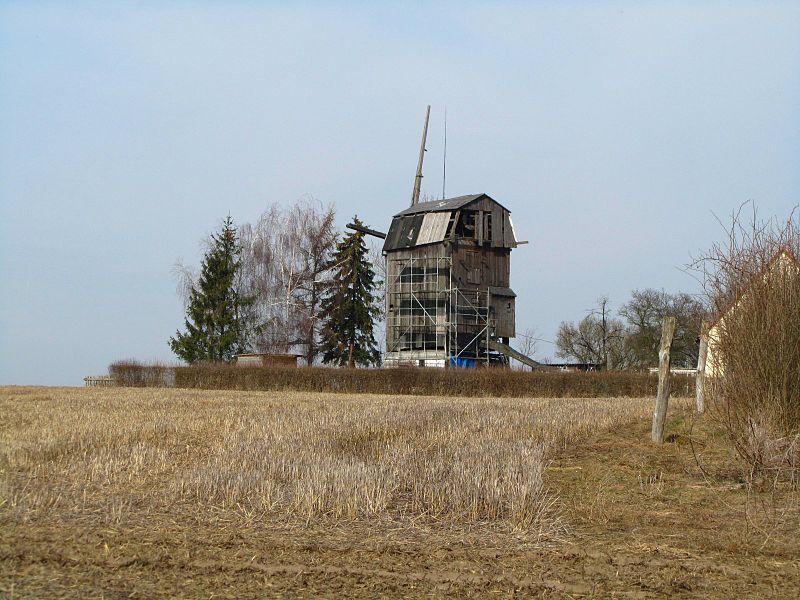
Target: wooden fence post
{"x":699,"y":390}
{"x":664,"y":379}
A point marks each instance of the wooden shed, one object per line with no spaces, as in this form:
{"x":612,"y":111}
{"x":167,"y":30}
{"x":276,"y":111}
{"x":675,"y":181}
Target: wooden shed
{"x":449,"y":299}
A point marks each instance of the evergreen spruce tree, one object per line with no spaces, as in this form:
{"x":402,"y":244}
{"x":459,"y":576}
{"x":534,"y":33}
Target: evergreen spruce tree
{"x":216,"y":329}
{"x":349,"y":308}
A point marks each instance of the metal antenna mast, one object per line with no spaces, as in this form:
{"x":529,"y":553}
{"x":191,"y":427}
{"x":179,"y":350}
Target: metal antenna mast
{"x":418,"y":178}
{"x":444,"y":159}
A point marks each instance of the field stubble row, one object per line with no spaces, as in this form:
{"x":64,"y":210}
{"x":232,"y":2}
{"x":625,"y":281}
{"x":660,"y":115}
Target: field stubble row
{"x":115,"y":455}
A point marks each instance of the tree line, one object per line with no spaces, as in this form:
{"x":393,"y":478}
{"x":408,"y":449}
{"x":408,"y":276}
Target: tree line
{"x":289,"y":283}
{"x":630,"y":339}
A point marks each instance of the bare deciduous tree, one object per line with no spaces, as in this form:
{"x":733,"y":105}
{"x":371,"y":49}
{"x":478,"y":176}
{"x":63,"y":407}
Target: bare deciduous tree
{"x":283,"y":263}
{"x":597,"y":338}
{"x":378,"y":261}
{"x":527,"y":343}
{"x":644,"y":313}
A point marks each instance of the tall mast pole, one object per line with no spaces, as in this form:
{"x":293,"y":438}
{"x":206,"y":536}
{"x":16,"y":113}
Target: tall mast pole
{"x":418,"y":178}
{"x":444,"y":157}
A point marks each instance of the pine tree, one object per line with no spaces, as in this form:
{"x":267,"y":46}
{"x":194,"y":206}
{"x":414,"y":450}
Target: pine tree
{"x":216,"y":329}
{"x":349,"y":308}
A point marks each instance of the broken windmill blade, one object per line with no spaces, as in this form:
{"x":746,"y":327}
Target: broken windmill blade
{"x":366,"y":230}
{"x":418,"y":178}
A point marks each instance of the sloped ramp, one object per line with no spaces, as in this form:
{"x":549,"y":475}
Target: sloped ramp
{"x":511,"y":353}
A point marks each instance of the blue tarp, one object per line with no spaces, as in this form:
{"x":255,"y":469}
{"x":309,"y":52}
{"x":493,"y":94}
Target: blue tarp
{"x":463,"y":363}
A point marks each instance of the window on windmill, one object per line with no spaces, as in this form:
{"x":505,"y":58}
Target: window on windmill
{"x":487,"y":222}
{"x":466,"y":225}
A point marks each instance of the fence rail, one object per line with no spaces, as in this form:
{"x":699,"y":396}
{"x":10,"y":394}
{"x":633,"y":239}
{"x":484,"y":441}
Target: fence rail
{"x":99,"y":380}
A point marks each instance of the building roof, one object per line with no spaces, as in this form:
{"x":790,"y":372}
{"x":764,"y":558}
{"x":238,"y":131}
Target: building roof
{"x":428,"y":223}
{"x":502,"y":291}
{"x":447,"y":204}
{"x":783,"y":256}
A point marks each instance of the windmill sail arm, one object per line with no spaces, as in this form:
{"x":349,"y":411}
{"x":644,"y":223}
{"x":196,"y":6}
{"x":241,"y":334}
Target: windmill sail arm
{"x":367,"y":230}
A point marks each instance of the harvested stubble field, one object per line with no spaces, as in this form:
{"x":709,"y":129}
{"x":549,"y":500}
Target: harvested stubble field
{"x":147,"y":493}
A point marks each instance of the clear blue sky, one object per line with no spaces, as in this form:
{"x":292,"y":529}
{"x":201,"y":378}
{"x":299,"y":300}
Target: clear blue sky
{"x":614,"y":131}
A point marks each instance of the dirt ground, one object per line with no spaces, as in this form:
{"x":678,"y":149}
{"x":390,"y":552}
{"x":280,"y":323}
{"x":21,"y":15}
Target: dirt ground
{"x":645,"y":522}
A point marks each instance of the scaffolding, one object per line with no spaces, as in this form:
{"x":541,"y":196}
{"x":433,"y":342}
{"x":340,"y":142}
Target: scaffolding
{"x":429,"y":321}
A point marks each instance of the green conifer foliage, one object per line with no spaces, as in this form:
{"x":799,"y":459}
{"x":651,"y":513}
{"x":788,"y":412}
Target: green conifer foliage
{"x":349,"y":308}
{"x":215,"y":326}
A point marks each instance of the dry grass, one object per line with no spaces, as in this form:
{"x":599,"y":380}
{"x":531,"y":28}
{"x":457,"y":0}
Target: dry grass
{"x":117,"y":454}
{"x":120,"y":493}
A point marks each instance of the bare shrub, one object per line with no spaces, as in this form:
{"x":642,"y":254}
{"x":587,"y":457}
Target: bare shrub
{"x":132,"y":373}
{"x":753,"y":285}
{"x":768,"y":452}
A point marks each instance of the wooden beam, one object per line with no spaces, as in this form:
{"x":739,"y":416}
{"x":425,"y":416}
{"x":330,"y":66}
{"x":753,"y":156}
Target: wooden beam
{"x":511,"y":353}
{"x":418,"y":178}
{"x":664,"y":379}
{"x":366,"y":230}
{"x":699,"y":385}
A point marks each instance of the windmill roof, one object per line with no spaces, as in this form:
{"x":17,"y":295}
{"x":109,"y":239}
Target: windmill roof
{"x":447,"y":204}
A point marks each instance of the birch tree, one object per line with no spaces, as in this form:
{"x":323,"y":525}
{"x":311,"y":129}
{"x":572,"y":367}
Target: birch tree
{"x":284,"y":258}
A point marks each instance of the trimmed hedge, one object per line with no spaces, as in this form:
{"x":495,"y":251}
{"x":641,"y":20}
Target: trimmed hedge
{"x":425,"y":382}
{"x":132,"y":373}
